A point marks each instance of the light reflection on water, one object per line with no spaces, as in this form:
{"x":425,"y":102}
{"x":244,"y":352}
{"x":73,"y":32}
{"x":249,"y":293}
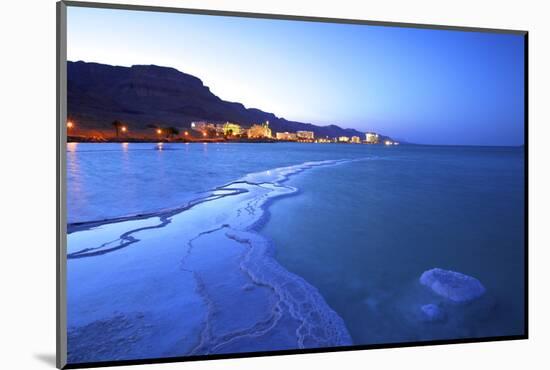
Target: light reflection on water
{"x":71,"y":147}
{"x":108,"y":180}
{"x":129,"y":178}
{"x":74,"y":179}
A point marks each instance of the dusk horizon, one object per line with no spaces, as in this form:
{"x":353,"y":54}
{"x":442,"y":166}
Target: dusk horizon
{"x":434,"y":87}
{"x":403,"y":141}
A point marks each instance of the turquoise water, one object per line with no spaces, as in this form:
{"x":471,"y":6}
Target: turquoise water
{"x":361,"y":232}
{"x":112,"y":180}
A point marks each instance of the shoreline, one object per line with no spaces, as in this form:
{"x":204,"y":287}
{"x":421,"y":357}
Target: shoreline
{"x":204,"y":141}
{"x":243,"y":141}
{"x":73,"y":139}
{"x":273,"y":141}
{"x":222,"y":330}
{"x":165,"y":214}
{"x":172,"y":211}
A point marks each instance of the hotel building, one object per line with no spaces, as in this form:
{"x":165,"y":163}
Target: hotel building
{"x":202,"y":126}
{"x":259,"y":131}
{"x":232,"y":129}
{"x":305,"y":135}
{"x":288,"y":136}
{"x":371,"y":138}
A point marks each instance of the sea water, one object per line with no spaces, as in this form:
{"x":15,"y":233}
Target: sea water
{"x":359,"y":229}
{"x":364,"y":232}
{"x":112,"y":180}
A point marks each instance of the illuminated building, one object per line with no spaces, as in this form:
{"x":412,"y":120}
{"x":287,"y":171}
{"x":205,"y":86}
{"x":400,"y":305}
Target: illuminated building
{"x":232,"y":129}
{"x":356,"y":139}
{"x":288,"y":136}
{"x":220,"y":129}
{"x":323,"y":140}
{"x":307,"y":135}
{"x":372,"y":138}
{"x":202,"y":126}
{"x":343,"y":139}
{"x":259,"y":131}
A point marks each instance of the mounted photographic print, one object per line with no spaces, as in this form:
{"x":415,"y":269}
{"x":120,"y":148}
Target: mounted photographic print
{"x":234,"y":184}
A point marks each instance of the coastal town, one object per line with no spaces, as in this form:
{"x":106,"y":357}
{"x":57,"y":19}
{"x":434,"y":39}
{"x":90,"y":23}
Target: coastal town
{"x":203,"y":131}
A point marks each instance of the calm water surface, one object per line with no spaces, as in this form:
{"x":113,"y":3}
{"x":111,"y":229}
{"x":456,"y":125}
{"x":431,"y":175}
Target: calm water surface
{"x":361,"y":232}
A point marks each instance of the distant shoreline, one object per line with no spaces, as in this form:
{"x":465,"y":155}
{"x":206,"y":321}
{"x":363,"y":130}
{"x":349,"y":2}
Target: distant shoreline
{"x":75,"y":139}
{"x":182,"y":141}
{"x":272,"y":141}
{"x":210,"y":142}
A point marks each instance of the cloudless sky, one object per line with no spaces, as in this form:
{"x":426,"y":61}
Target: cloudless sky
{"x":423,"y":86}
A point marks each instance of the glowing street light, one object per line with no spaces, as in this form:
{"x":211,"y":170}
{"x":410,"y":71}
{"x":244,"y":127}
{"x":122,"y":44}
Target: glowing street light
{"x":186,"y":133}
{"x":204,"y":134}
{"x":159,"y":131}
{"x":123,"y":128}
{"x":70,"y":124}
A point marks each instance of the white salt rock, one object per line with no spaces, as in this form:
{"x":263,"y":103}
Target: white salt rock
{"x":453,"y":285}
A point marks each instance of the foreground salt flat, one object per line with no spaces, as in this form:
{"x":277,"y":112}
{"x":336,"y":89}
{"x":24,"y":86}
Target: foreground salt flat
{"x":192,"y":282}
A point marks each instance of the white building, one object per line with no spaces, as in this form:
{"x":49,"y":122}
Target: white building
{"x":306,"y":135}
{"x":203,"y":126}
{"x":259,"y":131}
{"x":232,"y":129}
{"x":371,"y":138}
{"x":288,"y":136}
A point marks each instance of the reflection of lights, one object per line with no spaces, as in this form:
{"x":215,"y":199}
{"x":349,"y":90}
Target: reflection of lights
{"x":70,"y":124}
{"x":71,"y":147}
{"x":124,"y":147}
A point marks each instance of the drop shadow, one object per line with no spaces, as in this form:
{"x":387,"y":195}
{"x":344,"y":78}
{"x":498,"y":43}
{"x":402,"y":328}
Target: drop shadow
{"x":46,"y":358}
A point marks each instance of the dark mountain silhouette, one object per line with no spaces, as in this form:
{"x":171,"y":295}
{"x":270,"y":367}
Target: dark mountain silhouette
{"x":144,"y":95}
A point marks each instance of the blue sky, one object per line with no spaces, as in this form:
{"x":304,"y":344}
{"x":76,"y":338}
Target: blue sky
{"x":423,"y":86}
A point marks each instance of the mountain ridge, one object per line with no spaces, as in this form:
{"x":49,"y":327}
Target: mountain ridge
{"x":142,"y":95}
